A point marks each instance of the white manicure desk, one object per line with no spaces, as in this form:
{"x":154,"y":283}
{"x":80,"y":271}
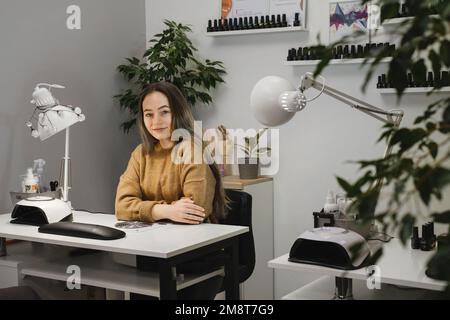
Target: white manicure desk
{"x":170,"y":244}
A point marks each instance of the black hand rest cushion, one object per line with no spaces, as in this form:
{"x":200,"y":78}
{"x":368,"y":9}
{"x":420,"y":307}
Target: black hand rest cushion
{"x":82,"y":230}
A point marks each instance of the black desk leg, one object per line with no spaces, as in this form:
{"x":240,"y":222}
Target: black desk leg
{"x":232,"y":272}
{"x":167,"y":283}
{"x":3,"y":251}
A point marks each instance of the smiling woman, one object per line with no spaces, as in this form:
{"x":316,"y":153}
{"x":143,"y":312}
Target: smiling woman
{"x":154,"y":187}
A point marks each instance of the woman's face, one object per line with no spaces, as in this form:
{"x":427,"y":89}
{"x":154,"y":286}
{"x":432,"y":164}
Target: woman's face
{"x":157,"y":116}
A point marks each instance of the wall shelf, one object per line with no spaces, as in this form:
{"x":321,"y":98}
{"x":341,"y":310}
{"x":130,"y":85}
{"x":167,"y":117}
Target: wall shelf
{"x":255,"y":31}
{"x":395,"y":21}
{"x":413,"y":90}
{"x":333,"y":61}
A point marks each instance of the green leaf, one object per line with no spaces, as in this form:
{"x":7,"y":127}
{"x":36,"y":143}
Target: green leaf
{"x":442,"y":217}
{"x":407,"y":224}
{"x":445,"y":52}
{"x":433,"y":147}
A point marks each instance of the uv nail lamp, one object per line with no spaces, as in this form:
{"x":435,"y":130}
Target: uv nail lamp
{"x":330,"y":247}
{"x":37,"y":211}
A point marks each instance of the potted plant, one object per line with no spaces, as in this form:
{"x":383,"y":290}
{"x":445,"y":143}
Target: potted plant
{"x":249,"y":165}
{"x":170,"y":58}
{"x":418,"y":170}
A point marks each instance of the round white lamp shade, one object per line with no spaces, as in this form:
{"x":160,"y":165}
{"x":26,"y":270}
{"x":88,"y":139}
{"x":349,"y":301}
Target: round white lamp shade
{"x":265,"y":101}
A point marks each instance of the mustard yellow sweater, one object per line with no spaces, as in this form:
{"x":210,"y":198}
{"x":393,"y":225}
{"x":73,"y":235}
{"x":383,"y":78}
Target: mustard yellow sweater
{"x":154,"y":179}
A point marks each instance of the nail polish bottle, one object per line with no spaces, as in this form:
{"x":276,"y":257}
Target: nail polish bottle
{"x":273,"y":22}
{"x":278,"y":21}
{"x":346,"y":54}
{"x":430,"y":80}
{"x":445,"y":79}
{"x":262,"y":22}
{"x":235,"y":24}
{"x":353,"y":52}
{"x":379,"y":84}
{"x":306,"y":53}
{"x":241,"y":24}
{"x":297,"y":19}
{"x":383,"y":81}
{"x":225,"y":25}
{"x":313,"y":54}
{"x":428,"y":240}
{"x":268,"y":23}
{"x":410,"y":81}
{"x":250,"y":23}
{"x":216,"y":27}
{"x":257,"y":26}
{"x":230,"y":24}
{"x":245,"y":27}
{"x":284,"y":23}
{"x":437,"y":80}
{"x":339,"y":52}
{"x":300,"y":53}
{"x":210,"y":28}
{"x":290,"y":56}
{"x":333,"y":53}
{"x":360,"y":51}
{"x":366,"y":49}
{"x":415,"y":240}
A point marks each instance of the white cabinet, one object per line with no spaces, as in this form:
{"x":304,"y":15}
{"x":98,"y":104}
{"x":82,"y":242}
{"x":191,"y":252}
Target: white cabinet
{"x":260,"y":285}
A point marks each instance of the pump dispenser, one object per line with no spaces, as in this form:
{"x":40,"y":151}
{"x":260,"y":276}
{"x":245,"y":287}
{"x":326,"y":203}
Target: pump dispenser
{"x":38,"y":168}
{"x":330,"y":204}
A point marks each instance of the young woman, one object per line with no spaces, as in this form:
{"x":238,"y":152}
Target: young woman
{"x":154,"y":187}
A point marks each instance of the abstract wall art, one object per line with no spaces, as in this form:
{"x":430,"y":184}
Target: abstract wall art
{"x":346,"y":18}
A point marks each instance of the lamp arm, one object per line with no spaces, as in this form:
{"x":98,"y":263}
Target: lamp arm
{"x":392,"y":116}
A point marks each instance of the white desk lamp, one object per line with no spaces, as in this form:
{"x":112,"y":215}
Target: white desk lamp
{"x":53,"y":118}
{"x":274,"y":101}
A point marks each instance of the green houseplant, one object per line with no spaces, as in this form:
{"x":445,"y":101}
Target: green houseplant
{"x":249,"y":165}
{"x":418,"y":170}
{"x":170,"y":58}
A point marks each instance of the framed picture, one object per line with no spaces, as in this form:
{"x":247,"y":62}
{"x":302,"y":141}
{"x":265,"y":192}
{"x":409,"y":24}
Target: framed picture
{"x":252,"y":8}
{"x":346,"y":18}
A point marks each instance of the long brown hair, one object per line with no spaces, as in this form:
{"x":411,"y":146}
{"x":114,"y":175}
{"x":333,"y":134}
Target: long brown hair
{"x":182,"y":118}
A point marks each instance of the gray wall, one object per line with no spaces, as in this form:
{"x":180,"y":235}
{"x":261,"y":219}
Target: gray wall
{"x":37,"y":47}
{"x":317,"y":143}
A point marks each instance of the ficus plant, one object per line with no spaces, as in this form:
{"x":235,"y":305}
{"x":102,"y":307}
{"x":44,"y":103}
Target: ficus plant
{"x":171,"y":57}
{"x":417,"y":172}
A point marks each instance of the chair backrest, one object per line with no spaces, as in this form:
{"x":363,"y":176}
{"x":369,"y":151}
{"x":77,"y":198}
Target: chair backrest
{"x":240,"y":214}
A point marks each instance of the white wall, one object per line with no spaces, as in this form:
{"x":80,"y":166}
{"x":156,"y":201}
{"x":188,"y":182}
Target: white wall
{"x":317,"y":143}
{"x":37,"y":47}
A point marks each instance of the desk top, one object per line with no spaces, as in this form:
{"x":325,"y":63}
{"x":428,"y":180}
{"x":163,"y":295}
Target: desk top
{"x":234,"y":182}
{"x":399,"y":265}
{"x":158,"y":240}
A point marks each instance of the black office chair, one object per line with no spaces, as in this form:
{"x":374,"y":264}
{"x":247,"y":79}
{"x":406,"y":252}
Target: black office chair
{"x":239,"y":213}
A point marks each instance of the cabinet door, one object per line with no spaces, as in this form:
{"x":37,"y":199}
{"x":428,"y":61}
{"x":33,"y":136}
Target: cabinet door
{"x":260,"y":285}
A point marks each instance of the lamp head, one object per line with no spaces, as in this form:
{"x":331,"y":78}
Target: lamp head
{"x":52,"y":117}
{"x":265,"y":101}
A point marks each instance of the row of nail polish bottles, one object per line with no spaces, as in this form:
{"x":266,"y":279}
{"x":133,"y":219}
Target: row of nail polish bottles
{"x":251,"y":23}
{"x":441,"y":79}
{"x":340,"y":52}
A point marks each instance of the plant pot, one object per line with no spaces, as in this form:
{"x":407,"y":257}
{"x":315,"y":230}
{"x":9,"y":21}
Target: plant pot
{"x":248,"y":168}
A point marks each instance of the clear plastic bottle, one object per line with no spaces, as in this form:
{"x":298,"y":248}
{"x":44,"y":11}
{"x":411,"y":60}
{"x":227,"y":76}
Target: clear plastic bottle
{"x":30,"y":182}
{"x":330,"y":204}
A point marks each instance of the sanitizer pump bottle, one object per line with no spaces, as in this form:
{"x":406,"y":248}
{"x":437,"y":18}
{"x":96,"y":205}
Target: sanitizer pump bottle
{"x":330,"y":204}
{"x":30,"y":182}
